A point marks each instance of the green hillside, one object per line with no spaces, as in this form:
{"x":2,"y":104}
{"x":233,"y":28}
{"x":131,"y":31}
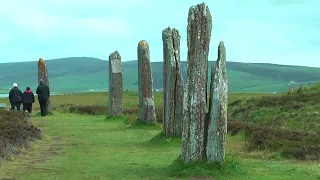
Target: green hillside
{"x":77,"y":74}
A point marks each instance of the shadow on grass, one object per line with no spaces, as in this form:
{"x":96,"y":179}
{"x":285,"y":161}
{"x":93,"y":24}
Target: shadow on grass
{"x":138,"y":124}
{"x":163,"y":140}
{"x":39,"y":114}
{"x":115,"y":118}
{"x":204,"y":170}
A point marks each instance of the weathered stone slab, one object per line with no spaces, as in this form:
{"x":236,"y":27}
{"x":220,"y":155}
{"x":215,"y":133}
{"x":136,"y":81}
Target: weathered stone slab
{"x":198,"y":39}
{"x":217,"y":130}
{"x":146,"y":99}
{"x":172,"y":83}
{"x":43,"y":74}
{"x":115,"y":84}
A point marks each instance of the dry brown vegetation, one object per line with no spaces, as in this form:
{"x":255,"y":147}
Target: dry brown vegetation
{"x":15,"y":132}
{"x":290,"y":143}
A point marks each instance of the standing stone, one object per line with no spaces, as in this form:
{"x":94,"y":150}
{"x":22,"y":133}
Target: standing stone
{"x":302,"y":87}
{"x":146,"y":99}
{"x":172,"y":83}
{"x":115,"y":84}
{"x":290,"y":90}
{"x":198,"y":38}
{"x":43,"y":74}
{"x":217,"y":129}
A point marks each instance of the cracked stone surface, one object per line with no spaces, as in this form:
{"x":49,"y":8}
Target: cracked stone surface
{"x":198,"y":40}
{"x":115,"y":84}
{"x":146,"y":99}
{"x":43,"y":74}
{"x":172,"y":83}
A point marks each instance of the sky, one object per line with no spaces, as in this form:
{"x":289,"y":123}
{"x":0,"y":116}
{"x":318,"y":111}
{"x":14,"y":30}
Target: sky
{"x":257,"y":31}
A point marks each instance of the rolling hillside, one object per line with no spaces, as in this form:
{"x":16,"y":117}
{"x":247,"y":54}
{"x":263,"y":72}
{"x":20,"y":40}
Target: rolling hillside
{"x":77,"y":74}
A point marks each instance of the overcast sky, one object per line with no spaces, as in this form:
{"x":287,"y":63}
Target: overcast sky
{"x":264,"y":31}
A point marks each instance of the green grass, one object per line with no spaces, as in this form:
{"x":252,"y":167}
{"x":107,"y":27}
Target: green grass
{"x":79,"y":74}
{"x":91,"y":147}
{"x":98,"y":147}
{"x":297,"y":111}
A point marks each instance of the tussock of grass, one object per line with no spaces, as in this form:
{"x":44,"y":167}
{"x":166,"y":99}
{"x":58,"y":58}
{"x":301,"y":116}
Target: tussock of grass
{"x":15,"y":132}
{"x":290,"y":144}
{"x":203,"y":170}
{"x":89,"y":109}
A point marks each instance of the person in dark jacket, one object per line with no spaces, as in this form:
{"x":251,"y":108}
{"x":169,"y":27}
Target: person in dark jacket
{"x":43,"y":93}
{"x":27,"y":100}
{"x":15,"y":97}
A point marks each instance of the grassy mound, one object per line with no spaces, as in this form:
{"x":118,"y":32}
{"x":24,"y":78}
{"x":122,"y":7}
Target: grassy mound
{"x":204,"y":170}
{"x":15,"y":132}
{"x":290,"y":143}
{"x":287,"y":123}
{"x":298,"y":110}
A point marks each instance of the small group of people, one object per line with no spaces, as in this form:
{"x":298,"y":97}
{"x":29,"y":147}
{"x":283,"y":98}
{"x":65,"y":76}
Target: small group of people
{"x":16,"y":98}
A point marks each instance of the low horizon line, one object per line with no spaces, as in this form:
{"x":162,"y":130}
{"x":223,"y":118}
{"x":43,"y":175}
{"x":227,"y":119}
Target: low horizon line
{"x":151,"y":61}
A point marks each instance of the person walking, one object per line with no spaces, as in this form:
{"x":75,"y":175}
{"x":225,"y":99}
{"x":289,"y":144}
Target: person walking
{"x":43,"y":93}
{"x":27,"y":100}
{"x":15,"y":97}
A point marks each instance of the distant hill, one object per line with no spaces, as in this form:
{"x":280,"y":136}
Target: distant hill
{"x":75,"y":74}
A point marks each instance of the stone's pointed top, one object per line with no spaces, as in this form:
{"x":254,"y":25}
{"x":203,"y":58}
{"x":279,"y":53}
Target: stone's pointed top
{"x":41,"y":62}
{"x":199,"y":10}
{"x":167,"y":32}
{"x":143,"y":43}
{"x":198,"y":6}
{"x":176,"y":33}
{"x":115,"y":55}
{"x":221,"y":44}
{"x":221,"y":52}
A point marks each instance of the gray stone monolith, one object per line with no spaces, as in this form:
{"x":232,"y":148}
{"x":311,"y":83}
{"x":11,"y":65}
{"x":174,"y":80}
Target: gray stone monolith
{"x":145,"y":84}
{"x":172,"y":83}
{"x":198,"y":39}
{"x":217,"y":129}
{"x":115,"y":84}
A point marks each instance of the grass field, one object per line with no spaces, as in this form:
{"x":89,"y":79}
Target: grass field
{"x":78,"y":146}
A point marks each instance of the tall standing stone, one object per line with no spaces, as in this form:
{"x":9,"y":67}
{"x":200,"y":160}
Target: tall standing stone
{"x":217,"y":129}
{"x":115,"y":84}
{"x":43,"y":74}
{"x":146,"y":99}
{"x":198,"y":38}
{"x":172,"y":83}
